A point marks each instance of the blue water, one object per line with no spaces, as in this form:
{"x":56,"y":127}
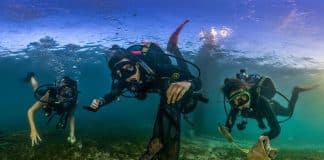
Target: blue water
{"x":281,"y":39}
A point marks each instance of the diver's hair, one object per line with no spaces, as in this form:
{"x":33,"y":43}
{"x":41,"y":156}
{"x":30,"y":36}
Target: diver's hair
{"x":233,"y":84}
{"x":117,"y":54}
{"x":66,"y":80}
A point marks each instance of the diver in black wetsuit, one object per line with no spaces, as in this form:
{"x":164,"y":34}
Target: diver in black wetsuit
{"x":60,"y":99}
{"x":250,"y":102}
{"x":142,"y":69}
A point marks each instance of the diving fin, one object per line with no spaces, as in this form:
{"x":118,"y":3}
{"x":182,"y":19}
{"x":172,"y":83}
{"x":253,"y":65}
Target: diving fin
{"x":173,"y":40}
{"x":305,"y":88}
{"x":173,"y":46}
{"x":28,"y":77}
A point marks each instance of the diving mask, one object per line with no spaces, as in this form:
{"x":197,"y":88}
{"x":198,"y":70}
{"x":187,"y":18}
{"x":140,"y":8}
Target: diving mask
{"x":123,"y":70}
{"x":66,"y":92}
{"x":240,"y":98}
{"x":66,"y":88}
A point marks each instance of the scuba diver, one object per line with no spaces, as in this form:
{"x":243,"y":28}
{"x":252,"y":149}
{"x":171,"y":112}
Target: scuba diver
{"x":143,"y":69}
{"x":251,"y":97}
{"x":59,"y":99}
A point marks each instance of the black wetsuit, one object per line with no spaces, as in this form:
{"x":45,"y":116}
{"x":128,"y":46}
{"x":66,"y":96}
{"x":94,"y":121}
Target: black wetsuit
{"x":61,"y":107}
{"x":264,"y":108}
{"x":167,"y":123}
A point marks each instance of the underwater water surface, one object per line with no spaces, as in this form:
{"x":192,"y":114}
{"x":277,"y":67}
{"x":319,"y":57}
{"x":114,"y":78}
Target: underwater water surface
{"x":280,"y":39}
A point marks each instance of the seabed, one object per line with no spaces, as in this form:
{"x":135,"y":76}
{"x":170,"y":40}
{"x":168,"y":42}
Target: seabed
{"x":118,"y":146}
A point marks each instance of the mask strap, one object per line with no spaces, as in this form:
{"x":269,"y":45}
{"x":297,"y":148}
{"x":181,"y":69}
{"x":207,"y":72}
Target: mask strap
{"x":241,"y":92}
{"x":146,"y":67}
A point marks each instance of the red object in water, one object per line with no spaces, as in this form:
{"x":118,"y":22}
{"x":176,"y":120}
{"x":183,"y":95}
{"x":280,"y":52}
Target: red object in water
{"x":136,"y":53}
{"x":173,"y":40}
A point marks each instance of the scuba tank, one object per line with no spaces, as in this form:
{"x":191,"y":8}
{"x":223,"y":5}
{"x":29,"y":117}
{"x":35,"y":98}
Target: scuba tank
{"x":263,"y":85}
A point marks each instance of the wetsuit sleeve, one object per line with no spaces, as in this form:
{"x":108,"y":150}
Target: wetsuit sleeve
{"x":271,"y":119}
{"x":231,"y":119}
{"x":195,"y":83}
{"x":115,"y":92}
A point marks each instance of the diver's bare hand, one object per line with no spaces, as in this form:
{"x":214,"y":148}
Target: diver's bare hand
{"x":35,"y":138}
{"x":271,"y":152}
{"x":95,"y":103}
{"x":266,"y":142}
{"x":176,"y":91}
